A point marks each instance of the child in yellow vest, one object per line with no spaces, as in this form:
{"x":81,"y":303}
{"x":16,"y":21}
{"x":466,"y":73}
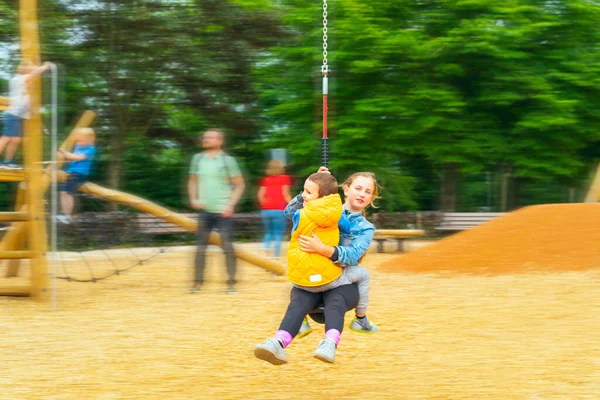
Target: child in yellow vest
{"x":322,"y":209}
{"x":356,"y":233}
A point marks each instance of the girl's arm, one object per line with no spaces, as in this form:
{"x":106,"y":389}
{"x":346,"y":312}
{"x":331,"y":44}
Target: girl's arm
{"x":352,"y":253}
{"x":38,"y":71}
{"x":342,"y":255}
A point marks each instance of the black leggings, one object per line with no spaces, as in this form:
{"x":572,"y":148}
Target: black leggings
{"x":336,"y":302}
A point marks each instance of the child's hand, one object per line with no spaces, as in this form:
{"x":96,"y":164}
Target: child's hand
{"x":310,"y":244}
{"x":325,"y":170}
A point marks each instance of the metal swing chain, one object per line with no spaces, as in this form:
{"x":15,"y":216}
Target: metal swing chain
{"x":325,"y":67}
{"x":325,"y":73}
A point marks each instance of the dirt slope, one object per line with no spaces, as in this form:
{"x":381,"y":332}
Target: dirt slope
{"x":552,"y":237}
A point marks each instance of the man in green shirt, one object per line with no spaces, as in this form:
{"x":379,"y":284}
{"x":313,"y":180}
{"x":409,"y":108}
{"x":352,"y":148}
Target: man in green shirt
{"x":215,"y":185}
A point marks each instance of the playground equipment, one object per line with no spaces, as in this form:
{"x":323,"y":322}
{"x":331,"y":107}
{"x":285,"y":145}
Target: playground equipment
{"x":15,"y":236}
{"x":27,"y":236}
{"x":31,"y":241}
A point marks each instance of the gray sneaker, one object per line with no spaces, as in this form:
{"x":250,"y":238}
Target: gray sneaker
{"x":63,"y":219}
{"x":231,"y":290}
{"x":326,"y":351}
{"x":12,"y":166}
{"x":305,"y":329}
{"x":195,"y":289}
{"x":271,"y":351}
{"x":363,"y":325}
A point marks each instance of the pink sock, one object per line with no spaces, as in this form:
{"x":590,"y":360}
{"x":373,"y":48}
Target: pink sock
{"x":284,"y":337}
{"x":334,"y":335}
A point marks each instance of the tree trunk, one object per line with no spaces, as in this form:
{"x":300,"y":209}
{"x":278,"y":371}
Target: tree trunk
{"x":505,"y":174}
{"x":116,"y":145}
{"x":572,"y":194}
{"x":448,"y":189}
{"x":515,"y":194}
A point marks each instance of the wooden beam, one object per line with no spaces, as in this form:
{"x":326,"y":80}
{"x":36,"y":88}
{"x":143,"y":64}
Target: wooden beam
{"x":11,"y":216}
{"x":33,"y":155}
{"x":15,"y":290}
{"x":12,"y":175}
{"x":16,"y":254}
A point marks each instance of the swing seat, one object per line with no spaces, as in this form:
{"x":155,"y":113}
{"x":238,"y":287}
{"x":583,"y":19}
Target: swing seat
{"x":318,"y":314}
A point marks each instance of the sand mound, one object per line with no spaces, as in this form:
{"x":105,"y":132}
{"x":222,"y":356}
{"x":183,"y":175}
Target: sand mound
{"x":552,"y":237}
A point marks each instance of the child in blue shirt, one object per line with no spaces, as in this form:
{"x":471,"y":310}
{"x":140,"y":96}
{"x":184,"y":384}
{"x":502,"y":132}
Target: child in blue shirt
{"x":78,"y":170}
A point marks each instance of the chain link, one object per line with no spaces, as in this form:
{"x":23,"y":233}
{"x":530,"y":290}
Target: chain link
{"x":325,"y":67}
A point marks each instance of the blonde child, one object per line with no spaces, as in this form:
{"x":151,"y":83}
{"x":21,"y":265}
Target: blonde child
{"x":80,"y":164}
{"x":18,"y":111}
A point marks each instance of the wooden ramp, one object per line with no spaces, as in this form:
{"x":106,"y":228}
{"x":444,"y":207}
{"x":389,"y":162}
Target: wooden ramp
{"x":114,"y":196}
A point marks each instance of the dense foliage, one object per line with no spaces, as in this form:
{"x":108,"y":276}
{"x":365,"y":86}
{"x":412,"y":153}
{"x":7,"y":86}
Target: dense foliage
{"x":455,"y":104}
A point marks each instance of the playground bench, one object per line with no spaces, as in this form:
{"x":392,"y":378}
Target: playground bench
{"x":399,"y":235}
{"x":460,"y":221}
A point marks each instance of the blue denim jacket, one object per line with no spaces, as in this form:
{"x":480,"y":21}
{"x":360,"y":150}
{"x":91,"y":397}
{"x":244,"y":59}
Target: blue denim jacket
{"x":356,"y":233}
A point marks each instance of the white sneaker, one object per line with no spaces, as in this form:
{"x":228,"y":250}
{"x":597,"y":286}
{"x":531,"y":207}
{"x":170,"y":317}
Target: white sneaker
{"x":326,"y":351}
{"x":271,"y":351}
{"x":62,"y":218}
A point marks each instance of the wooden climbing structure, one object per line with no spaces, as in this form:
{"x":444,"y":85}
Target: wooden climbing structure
{"x":26,"y":238}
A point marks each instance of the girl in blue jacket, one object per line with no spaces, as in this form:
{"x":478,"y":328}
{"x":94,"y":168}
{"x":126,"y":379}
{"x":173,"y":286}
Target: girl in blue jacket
{"x":360,"y":190}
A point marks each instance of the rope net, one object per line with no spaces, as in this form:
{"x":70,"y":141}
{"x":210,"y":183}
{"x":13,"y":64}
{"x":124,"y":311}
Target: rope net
{"x":107,"y":240}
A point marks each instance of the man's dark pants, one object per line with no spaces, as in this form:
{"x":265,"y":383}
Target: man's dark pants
{"x":206,"y":223}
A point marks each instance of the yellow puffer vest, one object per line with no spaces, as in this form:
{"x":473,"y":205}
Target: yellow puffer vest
{"x":319,"y":216}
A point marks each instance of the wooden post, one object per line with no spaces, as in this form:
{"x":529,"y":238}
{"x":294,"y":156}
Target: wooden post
{"x":32,"y":153}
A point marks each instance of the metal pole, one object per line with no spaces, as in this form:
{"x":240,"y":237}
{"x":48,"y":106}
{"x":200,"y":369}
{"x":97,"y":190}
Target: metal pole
{"x":54,"y":200}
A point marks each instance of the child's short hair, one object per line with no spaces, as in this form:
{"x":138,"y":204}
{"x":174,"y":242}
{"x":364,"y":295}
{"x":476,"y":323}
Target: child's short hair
{"x":327,"y":183}
{"x":86,"y":132}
